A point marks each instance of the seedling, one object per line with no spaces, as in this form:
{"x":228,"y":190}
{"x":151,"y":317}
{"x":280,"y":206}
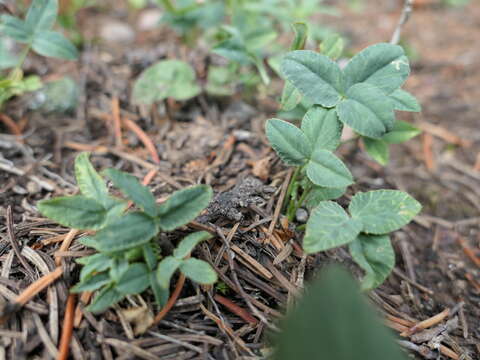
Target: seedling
{"x":129,"y":258}
{"x":167,"y":78}
{"x":363,"y":96}
{"x":35,"y":32}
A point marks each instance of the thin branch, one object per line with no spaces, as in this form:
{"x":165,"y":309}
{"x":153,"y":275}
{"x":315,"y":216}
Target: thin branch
{"x":406,"y":12}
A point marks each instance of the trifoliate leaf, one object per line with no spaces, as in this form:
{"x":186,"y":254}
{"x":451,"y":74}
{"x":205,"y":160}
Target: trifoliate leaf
{"x":290,"y":143}
{"x":375,"y":255}
{"x":329,"y":226}
{"x":183,"y":206}
{"x":383,"y":211}
{"x":367,"y":110}
{"x":317,"y":77}
{"x":327,"y":170}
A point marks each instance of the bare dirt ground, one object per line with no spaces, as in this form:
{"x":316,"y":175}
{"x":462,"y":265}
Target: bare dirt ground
{"x":221,"y":142}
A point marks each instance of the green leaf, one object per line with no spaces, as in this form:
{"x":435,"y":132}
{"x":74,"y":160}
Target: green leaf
{"x":115,"y":208}
{"x":199,"y":271}
{"x":401,"y":132}
{"x":382,"y":65}
{"x":375,"y":255}
{"x":188,"y":243}
{"x":167,"y":78}
{"x":367,"y":111}
{"x":131,"y":230}
{"x":54,"y":44}
{"x":220,"y":81}
{"x":135,"y":280}
{"x":234,"y":49}
{"x":89,"y":241}
{"x":183,"y":206}
{"x":301,"y":32}
{"x":89,"y":181}
{"x":334,"y":322}
{"x":107,"y":297}
{"x":92,"y":283}
{"x":377,"y":149}
{"x":325,"y":169}
{"x":93,"y":264}
{"x":41,"y":15}
{"x":132,"y":189}
{"x":165,"y":271}
{"x":317,"y":77}
{"x":383,"y":211}
{"x":160,"y":294}
{"x":290,"y":143}
{"x":404,"y":101}
{"x":329,"y":226}
{"x":322,"y":128}
{"x":332,"y":46}
{"x":118,"y":268}
{"x":291,"y":97}
{"x":320,"y":193}
{"x":151,"y":255}
{"x":15,"y":28}
{"x":8,"y":58}
{"x":77,"y":212}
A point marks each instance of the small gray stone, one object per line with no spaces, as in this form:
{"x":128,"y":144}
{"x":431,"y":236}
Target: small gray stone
{"x":117,"y":31}
{"x":149,"y":19}
{"x":301,"y":215}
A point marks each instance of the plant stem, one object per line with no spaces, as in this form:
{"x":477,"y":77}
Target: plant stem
{"x":290,"y":188}
{"x":23,"y":56}
{"x":294,"y":206}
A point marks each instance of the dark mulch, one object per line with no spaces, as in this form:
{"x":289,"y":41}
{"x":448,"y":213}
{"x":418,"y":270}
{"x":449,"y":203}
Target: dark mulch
{"x":221,"y":142}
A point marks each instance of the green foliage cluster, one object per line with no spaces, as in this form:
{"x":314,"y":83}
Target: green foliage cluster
{"x":244,"y":32}
{"x":333,"y":321}
{"x":35,"y":33}
{"x":129,"y":258}
{"x":363,"y":96}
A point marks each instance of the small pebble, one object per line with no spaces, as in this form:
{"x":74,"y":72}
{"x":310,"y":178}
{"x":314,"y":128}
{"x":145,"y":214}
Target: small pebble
{"x":116,"y":31}
{"x":149,"y":20}
{"x":17,"y":189}
{"x":301,"y":215}
{"x":33,"y":187}
{"x":242,"y":135}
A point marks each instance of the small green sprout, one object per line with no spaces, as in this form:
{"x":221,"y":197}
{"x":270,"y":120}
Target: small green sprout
{"x":129,"y":258}
{"x":36,"y":33}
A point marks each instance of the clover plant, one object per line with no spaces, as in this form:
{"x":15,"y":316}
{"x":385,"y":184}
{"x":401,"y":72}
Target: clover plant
{"x":129,"y":258}
{"x":35,"y":33}
{"x":363,"y":96}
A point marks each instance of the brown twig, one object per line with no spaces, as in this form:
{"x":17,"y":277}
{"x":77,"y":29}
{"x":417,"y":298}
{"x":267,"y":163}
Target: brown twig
{"x":67,"y":241}
{"x":427,"y":323}
{"x":237,"y":310}
{"x":11,"y":125}
{"x":443,"y":134}
{"x":67,"y":329}
{"x":117,"y":127}
{"x":406,"y":12}
{"x":131,"y":125}
{"x":34,"y":288}
{"x":428,"y":158}
{"x":469,"y":252}
{"x":84,"y":299}
{"x":280,"y":200}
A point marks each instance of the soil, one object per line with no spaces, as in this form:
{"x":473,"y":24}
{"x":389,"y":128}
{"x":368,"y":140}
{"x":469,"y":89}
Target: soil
{"x":220,"y":141}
